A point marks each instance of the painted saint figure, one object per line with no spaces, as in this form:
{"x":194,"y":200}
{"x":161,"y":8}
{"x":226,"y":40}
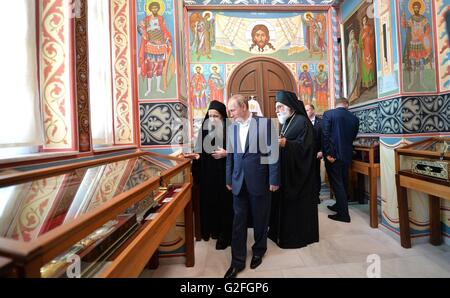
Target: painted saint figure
{"x":203,"y":30}
{"x":306,"y":85}
{"x":367,"y":45}
{"x":321,"y":86}
{"x":315,"y":34}
{"x":353,"y":64}
{"x":418,"y":47}
{"x":198,"y":89}
{"x":216,"y":85}
{"x":156,"y":48}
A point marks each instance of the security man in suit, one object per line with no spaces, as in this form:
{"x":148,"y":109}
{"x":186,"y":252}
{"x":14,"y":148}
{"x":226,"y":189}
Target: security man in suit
{"x":339,"y":128}
{"x":317,"y":125}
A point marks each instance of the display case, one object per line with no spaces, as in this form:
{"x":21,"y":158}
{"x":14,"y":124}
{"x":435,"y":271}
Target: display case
{"x":366,"y":162}
{"x":6,"y":268}
{"x":423,"y":167}
{"x":97,"y":218}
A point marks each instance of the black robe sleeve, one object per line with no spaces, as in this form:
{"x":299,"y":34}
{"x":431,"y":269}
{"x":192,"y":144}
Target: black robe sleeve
{"x":298,"y":158}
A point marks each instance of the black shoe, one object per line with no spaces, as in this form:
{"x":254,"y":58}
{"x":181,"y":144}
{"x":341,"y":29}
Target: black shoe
{"x":256,"y":261}
{"x":232,"y":272}
{"x":332,"y":208}
{"x":339,"y":218}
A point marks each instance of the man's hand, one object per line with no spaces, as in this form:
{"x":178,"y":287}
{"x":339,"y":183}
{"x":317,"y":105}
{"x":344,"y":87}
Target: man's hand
{"x":229,"y":187}
{"x":331,"y":159}
{"x":319,"y":155}
{"x":274,"y":188}
{"x":219,"y":153}
{"x":282,"y":142}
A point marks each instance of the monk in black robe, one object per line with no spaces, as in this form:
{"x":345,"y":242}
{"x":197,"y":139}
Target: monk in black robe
{"x":294,"y":216}
{"x":208,"y":168}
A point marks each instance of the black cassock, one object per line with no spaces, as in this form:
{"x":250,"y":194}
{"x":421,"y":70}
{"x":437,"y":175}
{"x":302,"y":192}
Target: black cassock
{"x":216,"y":202}
{"x":294,"y":219}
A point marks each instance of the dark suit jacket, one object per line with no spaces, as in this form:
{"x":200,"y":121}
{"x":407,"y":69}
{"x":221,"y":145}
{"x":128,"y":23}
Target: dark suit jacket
{"x":318,"y":134}
{"x":249,"y":166}
{"x":339,"y":129}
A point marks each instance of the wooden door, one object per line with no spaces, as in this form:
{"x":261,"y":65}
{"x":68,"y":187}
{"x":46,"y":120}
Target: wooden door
{"x":262,"y":77}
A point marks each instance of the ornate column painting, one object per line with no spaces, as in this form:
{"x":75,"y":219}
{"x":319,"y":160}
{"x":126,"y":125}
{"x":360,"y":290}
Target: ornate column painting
{"x":82,"y":77}
{"x":156,"y":59}
{"x":121,"y":51}
{"x":56,"y":93}
{"x":360,"y":56}
{"x":417,"y":46}
{"x":182,"y":49}
{"x":387,"y":49}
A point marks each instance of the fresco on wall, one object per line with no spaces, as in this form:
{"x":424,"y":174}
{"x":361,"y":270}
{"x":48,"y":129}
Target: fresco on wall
{"x":181,"y":48}
{"x":416,"y":35}
{"x":233,"y":36}
{"x":155,"y":47}
{"x":260,"y":2}
{"x":443,"y":28}
{"x":203,"y":33}
{"x":313,"y":85}
{"x":207,"y":84}
{"x":387,"y":62}
{"x":360,"y":62}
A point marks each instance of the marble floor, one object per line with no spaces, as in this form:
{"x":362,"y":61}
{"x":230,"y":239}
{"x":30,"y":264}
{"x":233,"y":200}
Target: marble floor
{"x":341,"y":252}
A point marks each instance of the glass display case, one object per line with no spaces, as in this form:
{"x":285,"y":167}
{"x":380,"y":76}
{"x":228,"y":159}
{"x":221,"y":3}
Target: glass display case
{"x":362,"y":147}
{"x":100,"y":218}
{"x":366,"y":162}
{"x":423,"y":166}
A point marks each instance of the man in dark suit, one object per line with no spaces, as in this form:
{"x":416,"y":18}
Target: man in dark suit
{"x":252,"y":173}
{"x":339,"y":128}
{"x":317,"y":125}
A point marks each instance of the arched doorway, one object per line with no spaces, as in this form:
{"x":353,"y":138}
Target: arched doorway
{"x":262,"y":77}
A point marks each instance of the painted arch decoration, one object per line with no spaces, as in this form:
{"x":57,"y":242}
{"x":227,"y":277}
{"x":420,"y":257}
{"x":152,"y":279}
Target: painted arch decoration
{"x":261,"y":2}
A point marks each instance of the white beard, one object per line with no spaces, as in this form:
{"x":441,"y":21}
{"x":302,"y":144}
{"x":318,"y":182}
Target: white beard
{"x":282,"y":117}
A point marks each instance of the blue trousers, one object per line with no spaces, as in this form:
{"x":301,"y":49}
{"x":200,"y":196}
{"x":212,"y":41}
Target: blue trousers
{"x":259,"y":207}
{"x":338,"y":176}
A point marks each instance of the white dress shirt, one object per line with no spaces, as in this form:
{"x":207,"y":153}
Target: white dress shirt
{"x":313,"y":120}
{"x":243,"y":131}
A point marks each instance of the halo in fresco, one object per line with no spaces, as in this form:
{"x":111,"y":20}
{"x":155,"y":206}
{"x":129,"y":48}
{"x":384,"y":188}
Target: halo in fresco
{"x":162,"y":6}
{"x":305,"y":65}
{"x":308,"y":14}
{"x":411,"y":6}
{"x":200,"y":66}
{"x":212,"y":66}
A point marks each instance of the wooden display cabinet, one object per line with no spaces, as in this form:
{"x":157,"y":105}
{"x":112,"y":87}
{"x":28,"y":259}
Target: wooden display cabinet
{"x":423,"y":167}
{"x":6,"y":268}
{"x":366,"y":162}
{"x":98,"y":218}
